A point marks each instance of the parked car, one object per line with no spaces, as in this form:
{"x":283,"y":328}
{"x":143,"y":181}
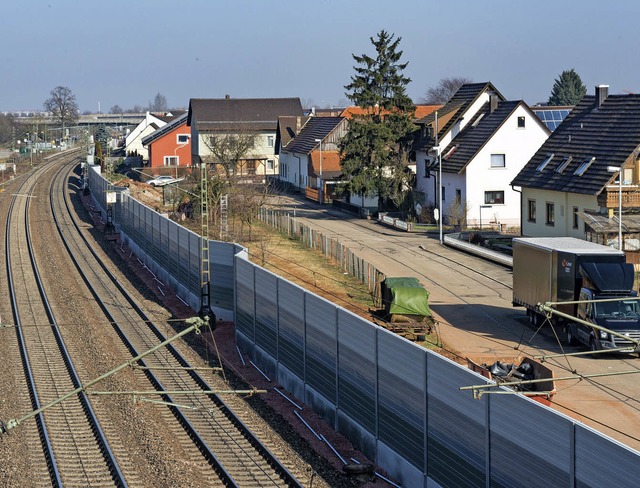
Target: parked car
{"x":163,"y":180}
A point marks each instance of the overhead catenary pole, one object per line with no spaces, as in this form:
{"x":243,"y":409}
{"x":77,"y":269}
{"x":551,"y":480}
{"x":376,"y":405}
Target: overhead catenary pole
{"x":205,"y":277}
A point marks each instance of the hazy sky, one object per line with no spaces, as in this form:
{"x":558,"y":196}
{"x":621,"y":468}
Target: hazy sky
{"x":124,"y":52}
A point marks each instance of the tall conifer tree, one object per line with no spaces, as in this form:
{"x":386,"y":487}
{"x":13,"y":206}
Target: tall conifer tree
{"x":375,"y":150}
{"x":568,"y":89}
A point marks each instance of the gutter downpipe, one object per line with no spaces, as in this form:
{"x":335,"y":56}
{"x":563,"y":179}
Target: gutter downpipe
{"x":299,"y":169}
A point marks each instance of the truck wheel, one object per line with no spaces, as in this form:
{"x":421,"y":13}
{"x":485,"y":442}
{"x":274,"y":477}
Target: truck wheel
{"x":571,"y":340}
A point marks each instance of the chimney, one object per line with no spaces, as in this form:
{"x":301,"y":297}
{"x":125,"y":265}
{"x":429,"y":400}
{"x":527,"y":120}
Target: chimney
{"x":602,"y":92}
{"x":298,"y":124}
{"x":493,"y":102}
{"x":227,"y":97}
{"x":313,"y":110}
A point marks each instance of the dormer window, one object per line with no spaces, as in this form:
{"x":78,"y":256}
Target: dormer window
{"x":584,"y":166}
{"x":544,"y":162}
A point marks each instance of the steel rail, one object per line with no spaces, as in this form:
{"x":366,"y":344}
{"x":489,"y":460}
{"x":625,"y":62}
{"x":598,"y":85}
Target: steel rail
{"x":102,"y":445}
{"x":107,"y":452}
{"x":207,"y":452}
{"x":47,"y":447}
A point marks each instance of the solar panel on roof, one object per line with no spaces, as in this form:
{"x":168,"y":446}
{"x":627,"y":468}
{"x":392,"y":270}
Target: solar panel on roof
{"x":552,"y":118}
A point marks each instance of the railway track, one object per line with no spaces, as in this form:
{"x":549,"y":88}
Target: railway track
{"x":230,"y":446}
{"x":73,"y":444}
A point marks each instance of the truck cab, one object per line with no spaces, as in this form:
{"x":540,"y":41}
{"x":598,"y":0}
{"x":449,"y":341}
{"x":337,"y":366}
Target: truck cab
{"x":619,"y":315}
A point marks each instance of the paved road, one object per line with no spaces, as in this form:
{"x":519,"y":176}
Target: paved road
{"x":472,"y":300}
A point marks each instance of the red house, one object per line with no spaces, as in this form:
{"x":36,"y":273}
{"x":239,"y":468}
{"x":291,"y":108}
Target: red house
{"x":170,"y":146}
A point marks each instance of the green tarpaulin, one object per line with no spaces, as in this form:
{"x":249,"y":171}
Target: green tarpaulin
{"x":405,"y":296}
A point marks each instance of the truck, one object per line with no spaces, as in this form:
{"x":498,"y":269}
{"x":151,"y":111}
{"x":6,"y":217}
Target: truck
{"x":595,"y":280}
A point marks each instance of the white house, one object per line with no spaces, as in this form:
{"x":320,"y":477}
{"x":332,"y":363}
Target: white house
{"x":571,"y":186}
{"x":311,"y":159}
{"x":484,"y":141}
{"x":148,"y":125}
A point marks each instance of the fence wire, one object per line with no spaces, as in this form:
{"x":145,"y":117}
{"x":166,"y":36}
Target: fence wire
{"x":348,"y":262}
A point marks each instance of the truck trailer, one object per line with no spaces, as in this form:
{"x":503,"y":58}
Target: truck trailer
{"x":566,"y":269}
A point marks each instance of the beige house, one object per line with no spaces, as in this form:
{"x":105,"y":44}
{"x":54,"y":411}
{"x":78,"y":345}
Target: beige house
{"x":573,"y":184}
{"x":238,"y":135}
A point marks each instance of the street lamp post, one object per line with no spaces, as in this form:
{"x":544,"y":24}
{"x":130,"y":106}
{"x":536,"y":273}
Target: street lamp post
{"x":175,"y":155}
{"x":617,"y":169}
{"x":319,"y":141}
{"x":439,"y":155}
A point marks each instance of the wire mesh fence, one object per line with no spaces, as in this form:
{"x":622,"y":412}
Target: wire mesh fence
{"x":329,"y":246}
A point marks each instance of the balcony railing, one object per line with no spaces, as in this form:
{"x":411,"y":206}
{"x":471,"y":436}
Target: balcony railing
{"x":630,"y":196}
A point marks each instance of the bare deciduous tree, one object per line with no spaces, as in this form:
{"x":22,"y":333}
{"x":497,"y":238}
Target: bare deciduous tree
{"x":457,"y":213}
{"x":444,"y":90}
{"x":63,"y":105}
{"x":230,"y":151}
{"x":159,"y":103}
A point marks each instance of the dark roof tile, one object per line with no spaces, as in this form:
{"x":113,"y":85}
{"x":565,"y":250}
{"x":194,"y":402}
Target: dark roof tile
{"x":609,"y":133}
{"x":475,"y":135}
{"x":457,"y":104}
{"x":249,"y":113}
{"x":315,"y":128}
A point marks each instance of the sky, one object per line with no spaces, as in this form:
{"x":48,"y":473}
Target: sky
{"x":125,"y":52}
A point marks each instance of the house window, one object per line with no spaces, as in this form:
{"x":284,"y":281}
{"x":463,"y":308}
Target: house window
{"x":521,"y":122}
{"x":270,"y":164}
{"x":458,"y":195}
{"x":494,"y":197}
{"x":531,"y":216}
{"x":576,"y":219}
{"x":171,"y":160}
{"x":563,"y":165}
{"x":547,"y":159}
{"x":443,"y":197}
{"x":251,"y":167}
{"x":270,"y":141}
{"x":427,"y":168}
{"x":497,"y":161}
{"x":584,"y":166}
{"x":182,"y":138}
{"x":550,"y":214}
